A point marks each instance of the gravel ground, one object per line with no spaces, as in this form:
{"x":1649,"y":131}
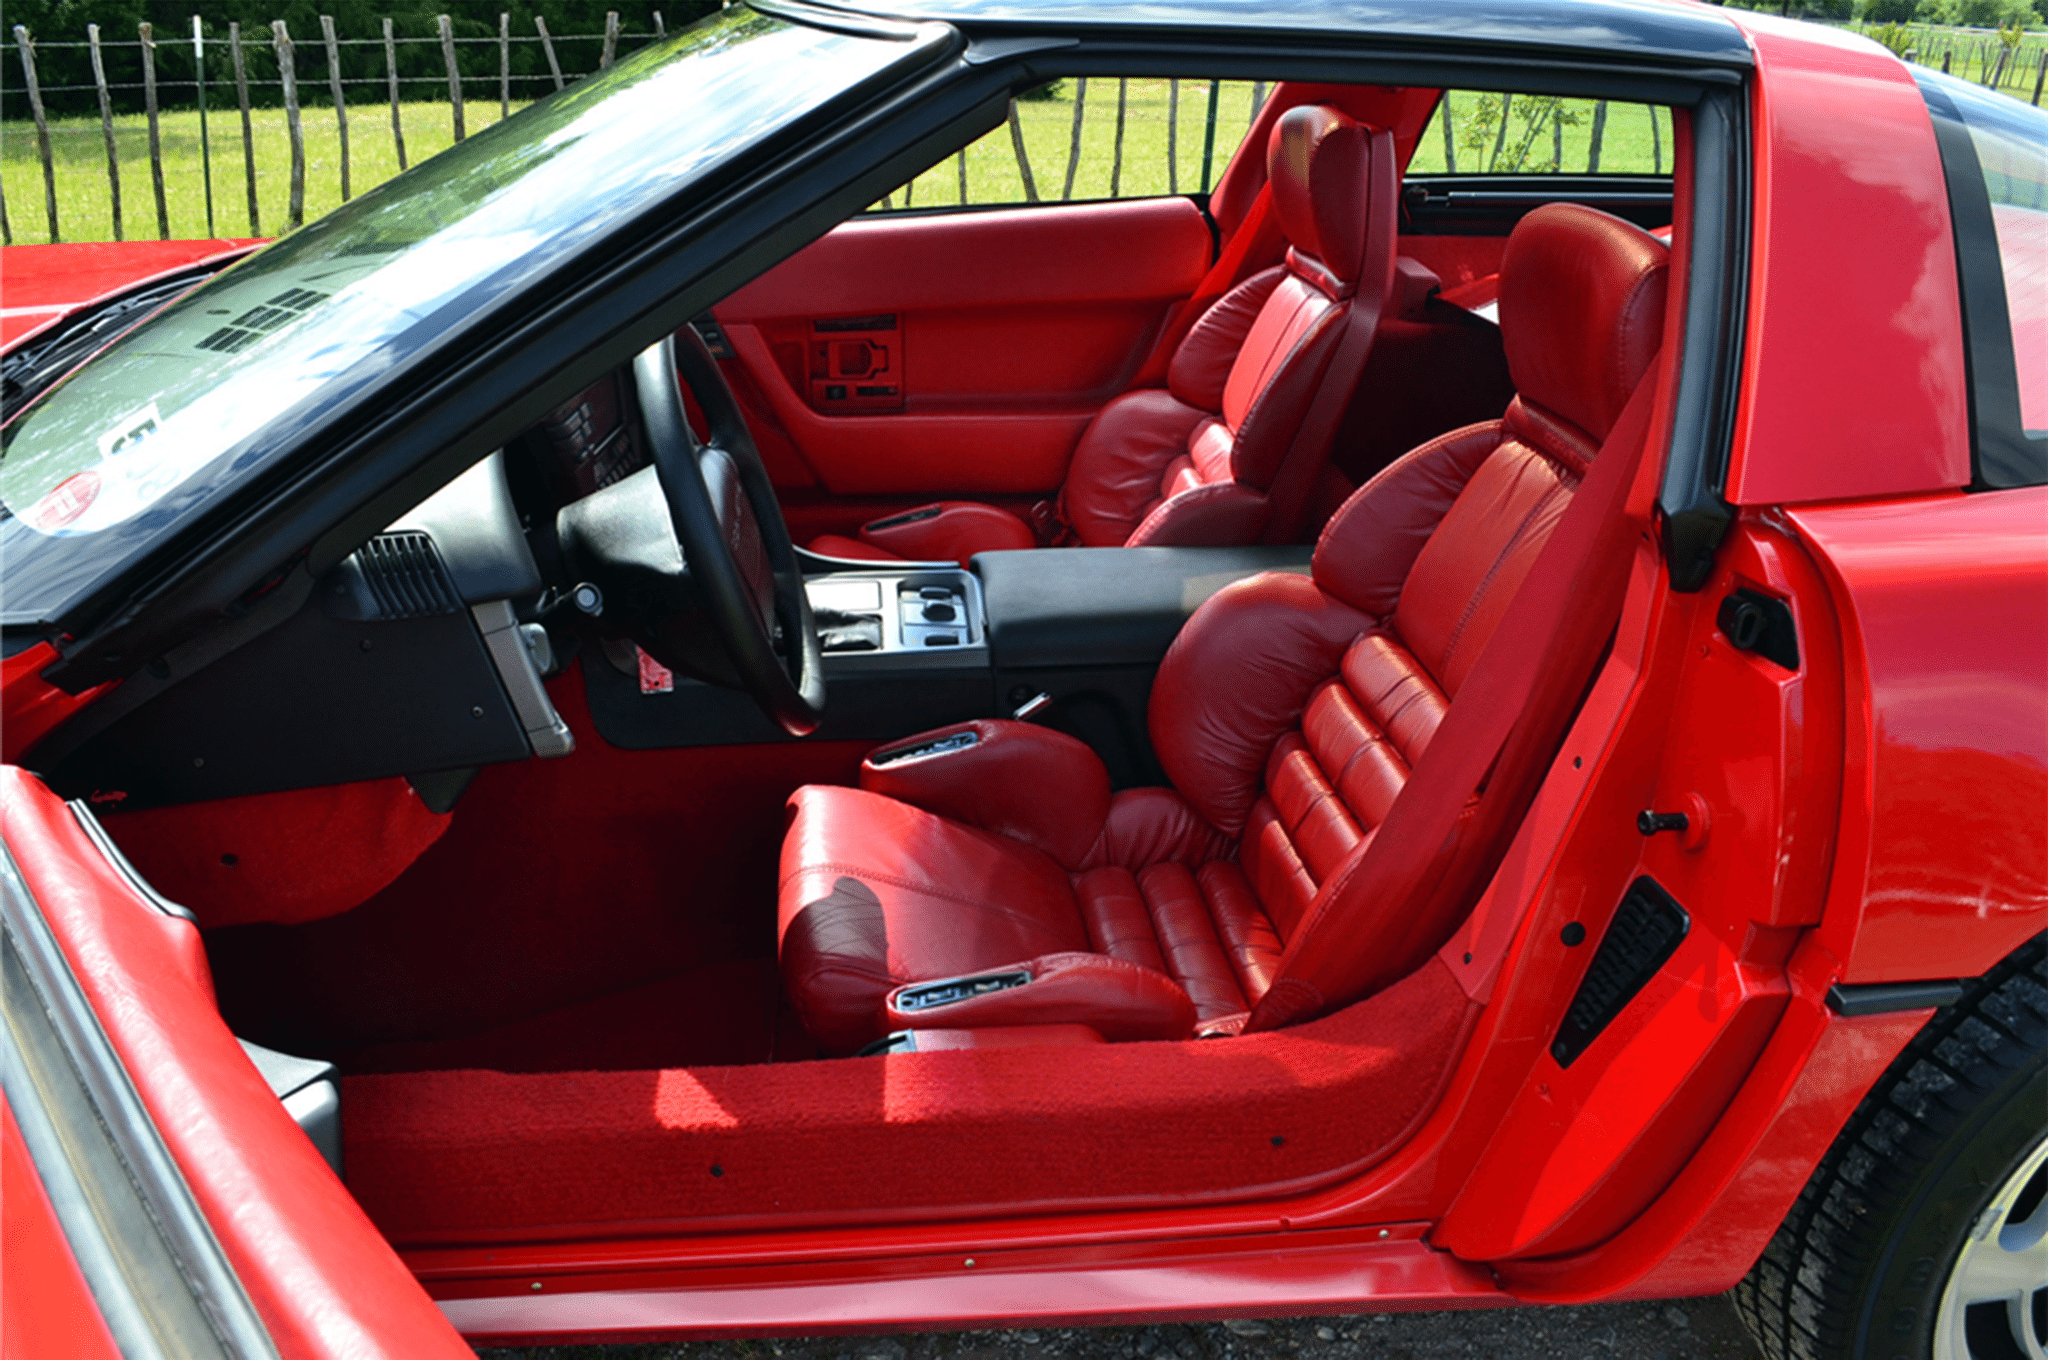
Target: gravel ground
{"x":1689,"y":1329}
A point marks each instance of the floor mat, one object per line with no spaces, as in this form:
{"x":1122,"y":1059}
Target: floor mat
{"x":708,"y":1017}
{"x":558,"y":885}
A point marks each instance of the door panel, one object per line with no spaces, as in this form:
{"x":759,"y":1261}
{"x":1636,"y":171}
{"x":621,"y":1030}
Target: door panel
{"x":957,"y":353}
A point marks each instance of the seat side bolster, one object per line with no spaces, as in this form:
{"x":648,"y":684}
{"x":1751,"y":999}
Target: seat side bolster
{"x":1120,"y":1001}
{"x":1031,"y":784}
{"x":1202,"y":364}
{"x":1202,"y":516}
{"x":1235,"y":681}
{"x":1371,"y":543}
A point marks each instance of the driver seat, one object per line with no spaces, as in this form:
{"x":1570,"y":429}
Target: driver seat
{"x":1224,"y":454}
{"x":1349,"y":750}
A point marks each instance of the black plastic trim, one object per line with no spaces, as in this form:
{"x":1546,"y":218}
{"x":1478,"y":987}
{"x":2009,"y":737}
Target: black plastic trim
{"x":1645,"y":932}
{"x":1694,"y":516}
{"x":120,"y":1197}
{"x":1884,"y":998}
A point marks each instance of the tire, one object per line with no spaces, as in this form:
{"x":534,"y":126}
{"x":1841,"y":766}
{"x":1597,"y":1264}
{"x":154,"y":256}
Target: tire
{"x":1870,"y":1264}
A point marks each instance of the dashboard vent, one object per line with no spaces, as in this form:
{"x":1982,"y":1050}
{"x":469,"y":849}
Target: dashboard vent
{"x":1646,"y":930}
{"x":252,"y":325}
{"x":405,"y":575}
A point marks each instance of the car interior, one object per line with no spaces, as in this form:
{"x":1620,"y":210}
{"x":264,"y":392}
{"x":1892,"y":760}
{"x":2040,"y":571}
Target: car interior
{"x":1181,"y":600}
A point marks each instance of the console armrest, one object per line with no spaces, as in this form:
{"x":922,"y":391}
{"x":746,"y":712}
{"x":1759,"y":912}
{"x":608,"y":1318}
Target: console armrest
{"x":1032,"y":784}
{"x":1120,"y":1001}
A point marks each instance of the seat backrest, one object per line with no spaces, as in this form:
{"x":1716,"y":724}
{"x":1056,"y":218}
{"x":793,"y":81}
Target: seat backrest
{"x":1292,"y":712}
{"x":1248,"y":372}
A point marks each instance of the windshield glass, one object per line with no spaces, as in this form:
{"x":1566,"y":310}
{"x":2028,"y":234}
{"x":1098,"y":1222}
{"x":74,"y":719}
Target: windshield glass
{"x":214,"y":388}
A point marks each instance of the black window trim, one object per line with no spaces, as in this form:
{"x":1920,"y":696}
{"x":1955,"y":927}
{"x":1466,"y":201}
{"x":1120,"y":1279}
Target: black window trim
{"x":2002,"y":456}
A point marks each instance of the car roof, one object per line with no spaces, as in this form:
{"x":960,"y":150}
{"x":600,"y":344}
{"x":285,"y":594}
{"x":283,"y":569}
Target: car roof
{"x":1669,"y":30}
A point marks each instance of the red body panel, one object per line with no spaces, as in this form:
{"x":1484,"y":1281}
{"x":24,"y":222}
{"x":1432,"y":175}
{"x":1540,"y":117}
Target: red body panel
{"x":1943,"y":868}
{"x":39,"y":284}
{"x":1846,"y":321}
{"x":321,"y":1279}
{"x":46,"y":1307}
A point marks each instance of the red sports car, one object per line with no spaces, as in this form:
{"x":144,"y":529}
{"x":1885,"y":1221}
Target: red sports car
{"x":632,"y":736}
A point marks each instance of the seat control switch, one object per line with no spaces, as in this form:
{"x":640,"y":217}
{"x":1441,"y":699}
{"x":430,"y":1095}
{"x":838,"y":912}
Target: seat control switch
{"x":948,"y":990}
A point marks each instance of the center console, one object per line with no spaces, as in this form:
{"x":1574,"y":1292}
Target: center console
{"x":1072,"y":635}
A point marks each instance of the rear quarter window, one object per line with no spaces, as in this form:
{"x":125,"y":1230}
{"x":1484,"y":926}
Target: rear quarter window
{"x":1995,"y":155}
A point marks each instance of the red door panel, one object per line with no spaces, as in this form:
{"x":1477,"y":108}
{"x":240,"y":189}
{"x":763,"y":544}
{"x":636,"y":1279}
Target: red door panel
{"x":957,"y":353}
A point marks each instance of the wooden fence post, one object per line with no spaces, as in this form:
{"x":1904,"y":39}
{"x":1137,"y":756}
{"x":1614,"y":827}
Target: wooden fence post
{"x":205,"y":142}
{"x":1173,"y":136}
{"x":99,"y":80}
{"x":1074,"y":143}
{"x":1023,"y":158}
{"x":35,"y":107}
{"x":454,"y":72}
{"x":1450,"y":137}
{"x":248,"y":137}
{"x":504,"y":66}
{"x":2040,"y":71}
{"x":1258,"y":97}
{"x":156,"y":146}
{"x":1599,"y":132}
{"x":1116,"y":160}
{"x":288,"y":74}
{"x":334,"y":89}
{"x":962,"y":160}
{"x":391,"y":78}
{"x":1656,"y":144}
{"x":611,"y":39}
{"x":547,"y":45}
{"x":1209,"y":135}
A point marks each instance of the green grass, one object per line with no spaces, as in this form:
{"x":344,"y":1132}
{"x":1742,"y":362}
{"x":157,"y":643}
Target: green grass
{"x":78,"y":152}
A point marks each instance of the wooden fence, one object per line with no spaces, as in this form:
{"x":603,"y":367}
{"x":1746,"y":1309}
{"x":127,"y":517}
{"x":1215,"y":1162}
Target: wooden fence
{"x":200,"y":47}
{"x":1986,"y":58}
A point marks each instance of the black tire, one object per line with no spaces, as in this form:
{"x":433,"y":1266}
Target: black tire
{"x":1858,"y":1269}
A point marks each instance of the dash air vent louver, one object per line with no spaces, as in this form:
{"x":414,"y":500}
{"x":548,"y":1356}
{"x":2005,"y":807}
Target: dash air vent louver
{"x":252,"y":325}
{"x":405,"y":575}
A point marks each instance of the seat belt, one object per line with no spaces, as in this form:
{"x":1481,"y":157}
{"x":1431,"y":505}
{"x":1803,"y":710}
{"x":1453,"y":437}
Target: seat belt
{"x":1288,"y":496}
{"x":1549,"y":640}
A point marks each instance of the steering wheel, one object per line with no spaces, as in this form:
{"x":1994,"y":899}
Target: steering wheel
{"x":730,"y":529}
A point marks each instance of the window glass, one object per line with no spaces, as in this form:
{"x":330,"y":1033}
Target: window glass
{"x":1094,"y":138}
{"x":1478,"y":133}
{"x":202,"y":396}
{"x":2012,"y":154}
{"x":1995,"y":155}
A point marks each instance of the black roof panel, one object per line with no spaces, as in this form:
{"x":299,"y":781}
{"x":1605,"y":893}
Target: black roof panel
{"x":1643,"y":29}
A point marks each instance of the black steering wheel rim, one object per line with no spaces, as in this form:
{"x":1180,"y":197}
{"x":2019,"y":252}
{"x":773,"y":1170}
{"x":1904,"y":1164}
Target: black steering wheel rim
{"x":790,"y":692}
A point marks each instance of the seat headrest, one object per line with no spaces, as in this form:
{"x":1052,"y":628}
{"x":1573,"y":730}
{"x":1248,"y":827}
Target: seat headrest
{"x":1581,"y":311}
{"x":1316,"y":162}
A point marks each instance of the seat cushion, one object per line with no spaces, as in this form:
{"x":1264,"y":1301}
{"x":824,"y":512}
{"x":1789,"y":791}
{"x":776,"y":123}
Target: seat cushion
{"x":876,"y":893}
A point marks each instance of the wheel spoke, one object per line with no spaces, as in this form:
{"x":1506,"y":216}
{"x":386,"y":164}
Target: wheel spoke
{"x":2019,"y":1312}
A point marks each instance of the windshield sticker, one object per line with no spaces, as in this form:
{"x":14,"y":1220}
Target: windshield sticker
{"x":132,"y":430}
{"x":68,"y":500}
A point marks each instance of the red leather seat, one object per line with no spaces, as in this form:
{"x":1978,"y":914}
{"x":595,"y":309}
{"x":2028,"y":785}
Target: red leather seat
{"x":1470,"y":586}
{"x":1220,"y":455}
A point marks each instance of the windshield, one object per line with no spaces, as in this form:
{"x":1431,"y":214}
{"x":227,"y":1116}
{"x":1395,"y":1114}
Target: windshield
{"x":218,"y":386}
